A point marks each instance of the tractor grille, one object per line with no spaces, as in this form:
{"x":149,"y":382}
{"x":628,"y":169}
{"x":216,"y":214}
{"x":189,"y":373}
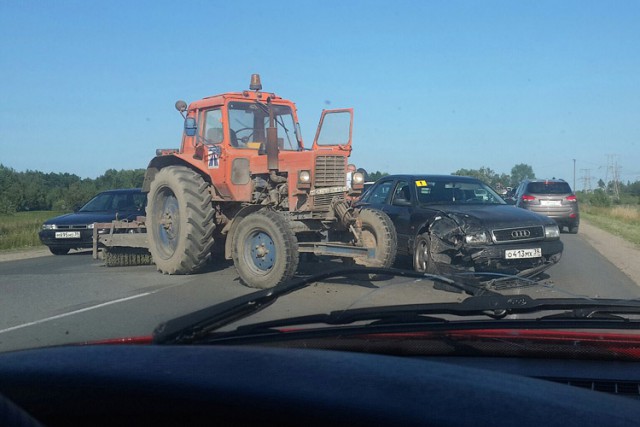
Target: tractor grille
{"x":520,"y":234}
{"x":329,"y":172}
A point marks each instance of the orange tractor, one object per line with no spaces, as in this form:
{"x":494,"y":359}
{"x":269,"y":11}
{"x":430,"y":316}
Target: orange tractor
{"x":243,"y":184}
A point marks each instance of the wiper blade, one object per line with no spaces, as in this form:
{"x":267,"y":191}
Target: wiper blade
{"x":494,"y":306}
{"x":190,"y":327}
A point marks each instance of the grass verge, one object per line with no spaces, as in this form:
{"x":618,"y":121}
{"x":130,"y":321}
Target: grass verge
{"x":20,"y":230}
{"x":623,"y":221}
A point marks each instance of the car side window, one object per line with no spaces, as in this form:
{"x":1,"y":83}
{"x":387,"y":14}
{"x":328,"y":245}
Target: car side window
{"x":380,"y":193}
{"x":402,"y":193}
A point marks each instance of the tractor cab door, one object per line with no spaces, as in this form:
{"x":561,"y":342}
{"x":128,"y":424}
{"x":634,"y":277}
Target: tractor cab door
{"x":334,"y":130}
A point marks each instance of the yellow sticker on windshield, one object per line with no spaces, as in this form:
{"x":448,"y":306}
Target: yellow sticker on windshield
{"x":421,"y":183}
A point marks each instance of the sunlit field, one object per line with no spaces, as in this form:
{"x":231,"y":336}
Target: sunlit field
{"x":20,"y":230}
{"x":622,"y":220}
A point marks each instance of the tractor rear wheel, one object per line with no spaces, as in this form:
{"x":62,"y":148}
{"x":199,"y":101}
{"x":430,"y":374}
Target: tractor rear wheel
{"x":179,"y":220}
{"x":265,"y":250}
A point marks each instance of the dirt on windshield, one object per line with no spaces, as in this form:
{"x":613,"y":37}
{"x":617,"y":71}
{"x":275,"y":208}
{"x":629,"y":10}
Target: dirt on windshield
{"x":622,"y":254}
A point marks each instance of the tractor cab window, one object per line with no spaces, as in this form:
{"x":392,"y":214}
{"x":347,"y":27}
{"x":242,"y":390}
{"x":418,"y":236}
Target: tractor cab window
{"x":248,"y":123}
{"x":213,"y":131}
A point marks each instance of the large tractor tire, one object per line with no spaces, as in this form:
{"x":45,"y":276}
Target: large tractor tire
{"x":179,"y":220}
{"x":265,"y":250}
{"x":378,"y":232}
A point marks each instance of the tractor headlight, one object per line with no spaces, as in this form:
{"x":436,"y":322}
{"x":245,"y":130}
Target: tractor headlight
{"x":358,"y":178}
{"x":304,"y":177}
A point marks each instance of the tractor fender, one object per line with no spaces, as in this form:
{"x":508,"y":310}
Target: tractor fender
{"x":160,"y":162}
{"x":232,"y":226}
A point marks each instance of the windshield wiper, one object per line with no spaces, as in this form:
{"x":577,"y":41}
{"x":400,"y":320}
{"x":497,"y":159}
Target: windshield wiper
{"x":192,"y":326}
{"x":494,"y":306}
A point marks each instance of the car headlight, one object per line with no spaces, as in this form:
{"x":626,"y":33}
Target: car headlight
{"x":551,"y":231}
{"x":90,"y":226}
{"x":476,"y":238}
{"x":304,"y":177}
{"x":49,"y":226}
{"x":358,"y":178}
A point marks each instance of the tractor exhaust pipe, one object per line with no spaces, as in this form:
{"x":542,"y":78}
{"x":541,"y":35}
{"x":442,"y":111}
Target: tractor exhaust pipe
{"x":272,"y":141}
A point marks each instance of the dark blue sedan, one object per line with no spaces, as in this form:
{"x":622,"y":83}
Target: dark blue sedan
{"x":450,"y":223}
{"x":75,"y":230}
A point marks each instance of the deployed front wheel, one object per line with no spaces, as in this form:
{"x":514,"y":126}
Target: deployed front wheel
{"x":265,"y":250}
{"x":179,"y":220}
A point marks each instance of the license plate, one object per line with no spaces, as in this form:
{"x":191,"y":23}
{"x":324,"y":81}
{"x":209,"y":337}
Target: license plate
{"x":550,"y":203}
{"x":523,"y":253}
{"x":328,"y":190}
{"x":67,"y":234}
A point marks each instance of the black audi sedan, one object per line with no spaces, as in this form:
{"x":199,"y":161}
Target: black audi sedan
{"x":75,"y":230}
{"x":451,"y":223}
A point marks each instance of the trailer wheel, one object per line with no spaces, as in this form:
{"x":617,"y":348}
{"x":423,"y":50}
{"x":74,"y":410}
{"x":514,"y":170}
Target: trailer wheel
{"x":265,"y":250}
{"x":378,"y":232}
{"x":422,"y":260}
{"x":179,"y":220}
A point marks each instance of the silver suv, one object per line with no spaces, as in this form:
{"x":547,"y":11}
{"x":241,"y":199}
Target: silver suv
{"x":551,"y":197}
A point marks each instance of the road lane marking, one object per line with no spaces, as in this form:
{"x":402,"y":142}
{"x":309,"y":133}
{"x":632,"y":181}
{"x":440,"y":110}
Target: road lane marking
{"x":71,"y":313}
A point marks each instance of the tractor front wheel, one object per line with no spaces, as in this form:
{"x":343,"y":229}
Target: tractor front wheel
{"x":265,"y":250}
{"x":378,"y":232}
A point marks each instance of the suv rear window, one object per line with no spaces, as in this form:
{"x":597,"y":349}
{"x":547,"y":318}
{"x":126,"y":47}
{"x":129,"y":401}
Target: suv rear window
{"x":548,"y":188}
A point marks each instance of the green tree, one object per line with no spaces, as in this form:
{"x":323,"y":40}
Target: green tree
{"x":374,"y":176}
{"x":520,"y":172}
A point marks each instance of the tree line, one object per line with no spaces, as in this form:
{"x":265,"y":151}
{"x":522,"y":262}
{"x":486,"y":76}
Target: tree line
{"x":39,"y":191}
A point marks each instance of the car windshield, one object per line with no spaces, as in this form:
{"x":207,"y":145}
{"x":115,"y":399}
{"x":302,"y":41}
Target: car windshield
{"x":112,"y":202}
{"x":249,"y":123}
{"x":468,"y":180}
{"x":436,"y":191}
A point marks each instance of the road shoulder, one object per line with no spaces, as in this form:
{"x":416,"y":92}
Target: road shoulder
{"x":18,"y":254}
{"x":624,"y":255}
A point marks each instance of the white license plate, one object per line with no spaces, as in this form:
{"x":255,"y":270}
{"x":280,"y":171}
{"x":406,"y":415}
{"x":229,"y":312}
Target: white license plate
{"x":67,"y":234}
{"x":523,"y":253}
{"x":328,"y":190}
{"x":550,"y":203}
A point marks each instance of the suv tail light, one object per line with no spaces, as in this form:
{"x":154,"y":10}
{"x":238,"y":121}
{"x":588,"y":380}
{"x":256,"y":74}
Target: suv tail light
{"x":571,"y":198}
{"x":527,"y":198}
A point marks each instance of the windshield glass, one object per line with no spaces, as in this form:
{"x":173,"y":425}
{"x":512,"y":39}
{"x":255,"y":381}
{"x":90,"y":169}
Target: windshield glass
{"x":249,"y":122}
{"x":456,"y":192}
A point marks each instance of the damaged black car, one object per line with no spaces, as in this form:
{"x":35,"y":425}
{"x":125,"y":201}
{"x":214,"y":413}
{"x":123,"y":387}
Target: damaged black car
{"x":446,"y":223}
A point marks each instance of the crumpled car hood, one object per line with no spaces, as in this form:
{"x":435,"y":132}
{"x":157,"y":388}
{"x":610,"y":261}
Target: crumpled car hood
{"x":495,"y":216}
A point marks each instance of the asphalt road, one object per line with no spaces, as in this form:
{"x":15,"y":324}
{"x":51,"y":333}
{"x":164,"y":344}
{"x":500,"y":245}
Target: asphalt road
{"x":61,"y":299}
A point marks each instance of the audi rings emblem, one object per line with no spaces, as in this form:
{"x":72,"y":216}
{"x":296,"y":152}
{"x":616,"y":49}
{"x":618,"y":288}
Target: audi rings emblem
{"x":520,"y":234}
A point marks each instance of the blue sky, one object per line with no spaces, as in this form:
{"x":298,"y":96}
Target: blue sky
{"x":436,"y":86}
